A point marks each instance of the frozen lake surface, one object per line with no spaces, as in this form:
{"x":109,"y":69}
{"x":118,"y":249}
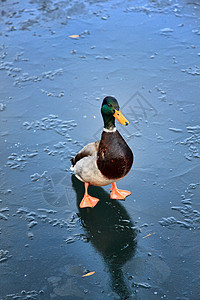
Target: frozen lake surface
{"x":58,"y":60}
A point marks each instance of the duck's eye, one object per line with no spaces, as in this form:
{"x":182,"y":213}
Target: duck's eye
{"x":109,"y":105}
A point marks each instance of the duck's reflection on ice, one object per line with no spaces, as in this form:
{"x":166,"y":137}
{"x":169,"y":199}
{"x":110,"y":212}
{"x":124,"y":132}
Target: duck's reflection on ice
{"x":111,"y":231}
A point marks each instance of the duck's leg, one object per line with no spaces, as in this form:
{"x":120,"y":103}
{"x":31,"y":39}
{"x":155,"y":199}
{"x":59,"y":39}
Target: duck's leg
{"x":118,"y":194}
{"x":88,"y":201}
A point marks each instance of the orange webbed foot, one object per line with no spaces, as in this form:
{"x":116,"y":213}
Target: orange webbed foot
{"x":118,"y":194}
{"x":88,"y":201}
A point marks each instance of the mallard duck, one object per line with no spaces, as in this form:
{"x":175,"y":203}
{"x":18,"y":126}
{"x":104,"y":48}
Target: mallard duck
{"x":106,"y":161}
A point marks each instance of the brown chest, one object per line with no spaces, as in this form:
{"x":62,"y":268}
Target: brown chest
{"x":115,"y":158}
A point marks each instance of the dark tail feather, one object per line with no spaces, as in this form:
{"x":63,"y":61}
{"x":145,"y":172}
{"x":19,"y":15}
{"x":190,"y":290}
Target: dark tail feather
{"x":73,"y":161}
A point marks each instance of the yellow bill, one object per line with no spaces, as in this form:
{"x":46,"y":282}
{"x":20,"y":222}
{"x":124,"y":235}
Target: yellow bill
{"x":118,"y":115}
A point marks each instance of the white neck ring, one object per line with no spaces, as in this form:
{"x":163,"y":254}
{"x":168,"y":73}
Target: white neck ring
{"x":110,"y":130}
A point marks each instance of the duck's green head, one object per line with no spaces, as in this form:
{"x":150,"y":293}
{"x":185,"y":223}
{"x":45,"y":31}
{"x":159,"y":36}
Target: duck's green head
{"x":110,"y":111}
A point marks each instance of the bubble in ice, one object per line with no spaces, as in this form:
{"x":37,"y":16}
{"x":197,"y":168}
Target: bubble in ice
{"x":37,"y":176}
{"x":25,"y":77}
{"x":63,"y":149}
{"x":192,"y":143}
{"x":166,"y":30}
{"x":52,"y":122}
{"x":2,"y":106}
{"x":58,"y":94}
{"x":156,"y":7}
{"x":190,"y":217}
{"x":19,"y":161}
{"x":32,"y":224}
{"x":192,"y":70}
{"x":175,"y":129}
{"x":142,"y":285}
{"x":4,"y":255}
{"x":4,"y":209}
{"x":3,"y":216}
{"x":34,"y":218}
